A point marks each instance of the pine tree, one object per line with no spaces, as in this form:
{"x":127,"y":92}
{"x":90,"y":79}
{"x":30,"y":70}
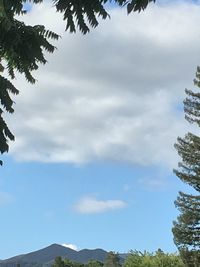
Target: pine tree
{"x":186,"y":229}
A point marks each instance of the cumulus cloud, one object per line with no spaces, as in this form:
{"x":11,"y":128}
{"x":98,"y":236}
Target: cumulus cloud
{"x":89,"y":205}
{"x":113,"y":95}
{"x":72,"y":246}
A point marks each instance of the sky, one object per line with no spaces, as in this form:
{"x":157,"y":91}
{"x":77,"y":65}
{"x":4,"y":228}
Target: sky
{"x":92,"y":164}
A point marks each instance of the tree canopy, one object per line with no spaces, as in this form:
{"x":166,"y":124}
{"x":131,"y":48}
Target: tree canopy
{"x":157,"y":259}
{"x":133,"y":259}
{"x":22,"y":46}
{"x":82,"y":14}
{"x":94,"y":263}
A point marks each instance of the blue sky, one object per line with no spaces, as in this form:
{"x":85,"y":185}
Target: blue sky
{"x":41,"y":208}
{"x":93,"y":157}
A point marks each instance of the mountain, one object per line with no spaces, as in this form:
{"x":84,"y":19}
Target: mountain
{"x":46,"y":256}
{"x":85,"y":255}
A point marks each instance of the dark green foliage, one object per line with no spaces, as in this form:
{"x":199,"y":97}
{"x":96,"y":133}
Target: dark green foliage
{"x":78,"y":10}
{"x":191,"y":258}
{"x":135,"y":5}
{"x":187,"y":228}
{"x":69,"y":263}
{"x":59,"y":262}
{"x":21,"y":49}
{"x":84,"y":13}
{"x":94,"y":263}
{"x":6,"y":88}
{"x":22,"y":46}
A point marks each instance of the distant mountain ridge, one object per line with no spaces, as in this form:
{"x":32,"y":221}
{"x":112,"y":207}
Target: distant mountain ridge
{"x":46,"y":256}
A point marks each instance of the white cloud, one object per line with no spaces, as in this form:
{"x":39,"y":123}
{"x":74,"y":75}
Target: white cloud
{"x":112,"y":95}
{"x":89,"y":205}
{"x":72,"y":246}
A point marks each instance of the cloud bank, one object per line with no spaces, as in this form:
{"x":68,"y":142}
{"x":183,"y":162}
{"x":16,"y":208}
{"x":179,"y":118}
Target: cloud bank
{"x":113,"y":95}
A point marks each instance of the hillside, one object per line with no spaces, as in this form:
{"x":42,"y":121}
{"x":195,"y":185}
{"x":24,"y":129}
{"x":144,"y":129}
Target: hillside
{"x":45,"y":257}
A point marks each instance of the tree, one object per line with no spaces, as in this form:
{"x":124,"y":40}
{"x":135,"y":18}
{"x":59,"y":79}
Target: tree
{"x":134,"y":259}
{"x":94,"y":263}
{"x":186,"y":229}
{"x":59,"y":262}
{"x":84,"y":13}
{"x":22,"y":46}
{"x":21,"y":49}
{"x":70,"y":263}
{"x":112,"y":260}
{"x":157,"y":259}
{"x":162,"y":259}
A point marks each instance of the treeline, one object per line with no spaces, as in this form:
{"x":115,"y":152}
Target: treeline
{"x":157,"y":259}
{"x":134,"y":259}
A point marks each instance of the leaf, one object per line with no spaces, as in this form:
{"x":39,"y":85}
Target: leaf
{"x":130,"y":7}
